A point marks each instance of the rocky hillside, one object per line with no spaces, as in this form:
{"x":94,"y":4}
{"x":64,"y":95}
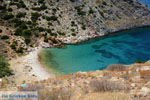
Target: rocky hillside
{"x":66,"y":21}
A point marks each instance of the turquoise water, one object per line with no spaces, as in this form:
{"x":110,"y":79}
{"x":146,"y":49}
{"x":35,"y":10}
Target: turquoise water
{"x":119,"y":48}
{"x":146,"y":2}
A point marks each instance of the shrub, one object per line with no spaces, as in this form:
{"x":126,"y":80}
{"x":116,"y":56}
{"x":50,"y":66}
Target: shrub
{"x":1,"y":31}
{"x":52,"y":18}
{"x":4,"y":68}
{"x":83,"y":27}
{"x":5,"y":37}
{"x":58,"y":94}
{"x":42,"y":7}
{"x":117,"y":67}
{"x":101,"y":13}
{"x":17,"y":22}
{"x":53,"y":34}
{"x":27,"y":40}
{"x":73,"y":30}
{"x":20,"y":14}
{"x":13,"y":46}
{"x":105,"y":85}
{"x":79,"y":10}
{"x":35,"y":16}
{"x":145,"y":74}
{"x":61,"y":33}
{"x":73,"y":23}
{"x":2,"y":7}
{"x":72,"y":0}
{"x":91,"y":11}
{"x":49,"y":23}
{"x":40,"y":29}
{"x":21,"y":4}
{"x":20,"y":50}
{"x":18,"y":32}
{"x":7,"y":17}
{"x":10,"y":9}
{"x":73,"y":34}
{"x":45,"y":39}
{"x":104,"y":3}
{"x":40,"y":1}
{"x":49,"y":30}
{"x":140,"y":61}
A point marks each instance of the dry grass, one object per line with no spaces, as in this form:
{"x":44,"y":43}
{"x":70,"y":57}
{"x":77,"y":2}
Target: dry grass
{"x":117,"y":67}
{"x":107,"y":96}
{"x":105,"y":85}
{"x":58,"y":94}
{"x":145,"y":73}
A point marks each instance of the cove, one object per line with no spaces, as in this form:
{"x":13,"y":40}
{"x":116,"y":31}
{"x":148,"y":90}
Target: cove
{"x":124,"y":47}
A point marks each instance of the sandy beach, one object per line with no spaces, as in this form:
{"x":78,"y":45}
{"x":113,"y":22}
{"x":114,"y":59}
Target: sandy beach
{"x":28,"y":68}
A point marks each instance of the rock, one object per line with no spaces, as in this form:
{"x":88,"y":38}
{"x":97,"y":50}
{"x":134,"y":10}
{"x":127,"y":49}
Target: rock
{"x":144,"y":91}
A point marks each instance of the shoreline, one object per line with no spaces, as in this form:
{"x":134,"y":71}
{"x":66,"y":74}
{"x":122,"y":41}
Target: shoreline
{"x":122,"y":29}
{"x":28,"y":68}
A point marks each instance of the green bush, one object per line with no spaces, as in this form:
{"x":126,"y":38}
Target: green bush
{"x":73,"y":34}
{"x":13,"y":46}
{"x":7,"y":17}
{"x":83,"y":27}
{"x":20,"y":50}
{"x":4,"y":69}
{"x":91,"y":11}
{"x":42,"y":7}
{"x":21,"y":4}
{"x":10,"y":9}
{"x":104,"y":3}
{"x":27,"y":40}
{"x":40,"y":1}
{"x":18,"y":32}
{"x":5,"y":37}
{"x":72,"y":0}
{"x":35,"y":16}
{"x":73,"y":30}
{"x":52,"y":18}
{"x":79,"y":10}
{"x":1,"y":31}
{"x":17,"y":22}
{"x":61,"y":33}
{"x":140,"y":61}
{"x":45,"y":39}
{"x":40,"y":29}
{"x":2,"y":7}
{"x":20,"y":14}
{"x":101,"y":13}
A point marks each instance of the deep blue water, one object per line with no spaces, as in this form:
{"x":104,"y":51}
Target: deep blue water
{"x":119,"y":48}
{"x":147,"y":2}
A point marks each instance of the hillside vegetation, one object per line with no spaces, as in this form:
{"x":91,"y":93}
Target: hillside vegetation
{"x":26,"y":23}
{"x":4,"y":68}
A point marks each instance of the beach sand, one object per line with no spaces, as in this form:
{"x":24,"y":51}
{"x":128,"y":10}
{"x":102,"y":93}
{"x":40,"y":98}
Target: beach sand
{"x":28,"y":68}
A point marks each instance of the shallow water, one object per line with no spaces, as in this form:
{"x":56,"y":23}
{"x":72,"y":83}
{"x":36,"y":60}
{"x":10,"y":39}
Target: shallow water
{"x":147,"y":2}
{"x":119,"y":48}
